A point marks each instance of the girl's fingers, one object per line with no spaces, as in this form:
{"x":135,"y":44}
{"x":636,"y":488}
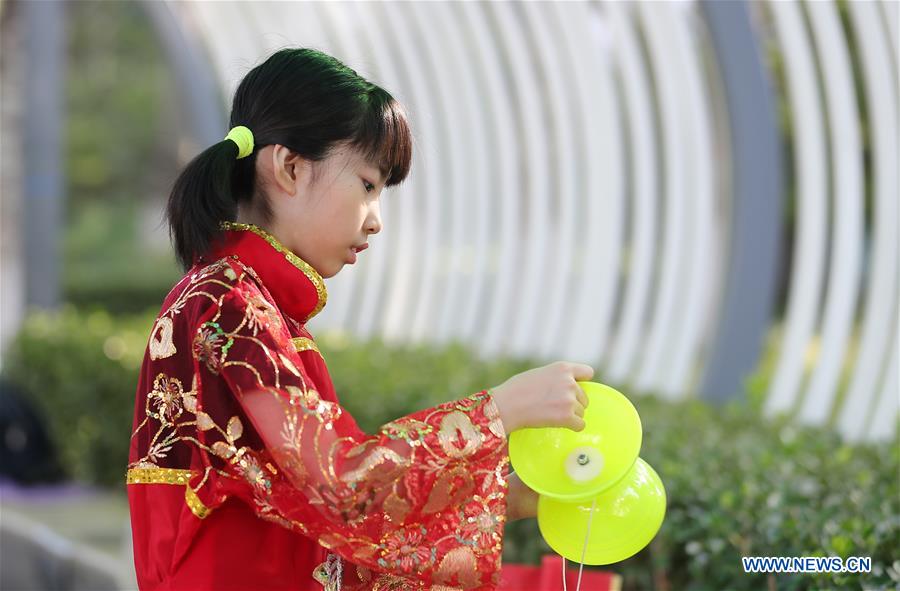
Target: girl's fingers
{"x":578,"y":424}
{"x":581,"y":371}
{"x":579,"y":410}
{"x":581,"y":396}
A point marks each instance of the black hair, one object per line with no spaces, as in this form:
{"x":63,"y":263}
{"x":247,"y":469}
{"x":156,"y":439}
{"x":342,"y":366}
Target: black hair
{"x":305,"y":100}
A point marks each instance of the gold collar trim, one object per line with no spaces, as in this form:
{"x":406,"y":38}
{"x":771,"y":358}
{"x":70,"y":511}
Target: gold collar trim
{"x":293,"y":259}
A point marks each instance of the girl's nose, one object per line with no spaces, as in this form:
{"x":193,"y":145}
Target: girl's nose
{"x":374,"y":226}
{"x":373,"y":222}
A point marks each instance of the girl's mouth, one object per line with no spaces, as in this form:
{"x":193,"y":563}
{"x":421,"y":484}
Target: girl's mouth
{"x":354,"y":250}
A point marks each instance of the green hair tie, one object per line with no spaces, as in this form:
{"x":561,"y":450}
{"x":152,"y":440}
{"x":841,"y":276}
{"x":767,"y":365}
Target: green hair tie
{"x":243,"y":137}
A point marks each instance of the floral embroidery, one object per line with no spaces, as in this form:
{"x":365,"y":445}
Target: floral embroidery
{"x":346,"y":502}
{"x":247,"y":464}
{"x":164,"y":401}
{"x":481,"y":522}
{"x":377,"y":458}
{"x":161,"y":345}
{"x":406,"y":550}
{"x":261,"y":315}
{"x":452,"y":487}
{"x":458,"y":563}
{"x":308,"y":398}
{"x":410,"y":430}
{"x":471,"y":402}
{"x":386,"y":582}
{"x":253,"y":472}
{"x":458,"y":436}
{"x":290,"y":462}
{"x":211,"y":345}
{"x":213,"y":268}
{"x":396,"y":508}
{"x":204,"y":421}
{"x":311,"y":404}
{"x":189,"y":399}
{"x":493,"y":414}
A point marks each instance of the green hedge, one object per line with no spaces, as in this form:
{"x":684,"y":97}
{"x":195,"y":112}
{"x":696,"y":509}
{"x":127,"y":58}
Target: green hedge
{"x":737,"y":484}
{"x":81,"y":371}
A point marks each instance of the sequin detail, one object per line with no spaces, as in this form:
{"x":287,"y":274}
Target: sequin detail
{"x":170,"y":476}
{"x":195,"y":504}
{"x":305,"y":344}
{"x":157,"y":476}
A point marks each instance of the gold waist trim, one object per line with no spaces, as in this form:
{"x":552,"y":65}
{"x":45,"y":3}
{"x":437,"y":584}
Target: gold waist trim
{"x":170,"y":476}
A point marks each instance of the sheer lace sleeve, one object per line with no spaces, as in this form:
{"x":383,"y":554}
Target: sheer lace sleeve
{"x":424,"y":498}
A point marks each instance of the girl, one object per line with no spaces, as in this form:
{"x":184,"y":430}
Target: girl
{"x":244,"y":470}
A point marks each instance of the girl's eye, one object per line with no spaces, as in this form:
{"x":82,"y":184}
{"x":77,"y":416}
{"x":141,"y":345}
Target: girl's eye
{"x":369,"y":186}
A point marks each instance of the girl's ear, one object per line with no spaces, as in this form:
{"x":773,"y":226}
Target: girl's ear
{"x":290,"y":171}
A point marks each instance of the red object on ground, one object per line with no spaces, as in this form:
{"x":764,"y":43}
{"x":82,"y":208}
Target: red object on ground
{"x":548,"y":577}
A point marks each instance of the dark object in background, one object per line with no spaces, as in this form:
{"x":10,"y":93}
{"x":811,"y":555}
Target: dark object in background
{"x":27,"y":455}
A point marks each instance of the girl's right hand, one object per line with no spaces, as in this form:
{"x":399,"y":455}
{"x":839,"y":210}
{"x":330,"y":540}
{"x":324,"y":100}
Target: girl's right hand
{"x":544,"y":397}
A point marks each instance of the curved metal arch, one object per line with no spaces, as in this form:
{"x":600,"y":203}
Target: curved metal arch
{"x":422,"y":65}
{"x":489,"y":182}
{"x":642,"y":125}
{"x":702,"y":272}
{"x":811,"y":219}
{"x":677,"y":199}
{"x":470,"y":209}
{"x":559,"y":198}
{"x":585,"y":330}
{"x":505,"y":184}
{"x":842,"y":290}
{"x":537,"y":246}
{"x":508,"y":307}
{"x":881,"y":291}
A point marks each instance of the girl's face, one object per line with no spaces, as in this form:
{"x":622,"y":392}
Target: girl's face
{"x":323,"y":211}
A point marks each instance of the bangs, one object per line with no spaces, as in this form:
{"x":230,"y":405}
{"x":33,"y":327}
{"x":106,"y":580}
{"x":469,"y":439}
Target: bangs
{"x":384,"y":137}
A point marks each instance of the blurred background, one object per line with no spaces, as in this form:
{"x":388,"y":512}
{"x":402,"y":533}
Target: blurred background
{"x":700,"y":199}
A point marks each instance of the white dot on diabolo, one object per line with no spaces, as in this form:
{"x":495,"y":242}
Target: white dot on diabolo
{"x":584,"y":463}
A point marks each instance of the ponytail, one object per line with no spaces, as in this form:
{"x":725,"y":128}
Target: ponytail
{"x":204,"y":195}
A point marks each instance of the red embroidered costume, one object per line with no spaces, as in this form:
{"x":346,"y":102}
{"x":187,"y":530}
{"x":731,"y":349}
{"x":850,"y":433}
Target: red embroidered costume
{"x":246,"y":473}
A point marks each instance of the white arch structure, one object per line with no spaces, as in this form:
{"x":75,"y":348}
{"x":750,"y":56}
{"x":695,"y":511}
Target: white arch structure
{"x":571,"y":189}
